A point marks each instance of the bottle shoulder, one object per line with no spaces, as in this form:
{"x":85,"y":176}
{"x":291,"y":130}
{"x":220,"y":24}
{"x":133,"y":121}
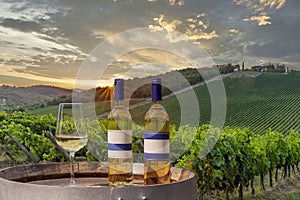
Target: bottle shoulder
{"x":116,"y":113}
{"x":119,"y":119}
{"x":157,"y":111}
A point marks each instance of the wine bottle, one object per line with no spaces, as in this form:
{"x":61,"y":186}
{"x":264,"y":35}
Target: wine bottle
{"x":156,"y":140}
{"x":119,"y":140}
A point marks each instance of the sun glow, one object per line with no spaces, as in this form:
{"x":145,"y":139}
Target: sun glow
{"x":104,"y":95}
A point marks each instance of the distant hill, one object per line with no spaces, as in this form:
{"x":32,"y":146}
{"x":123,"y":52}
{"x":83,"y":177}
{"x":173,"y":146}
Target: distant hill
{"x":49,"y":91}
{"x":14,"y":98}
{"x":175,"y":80}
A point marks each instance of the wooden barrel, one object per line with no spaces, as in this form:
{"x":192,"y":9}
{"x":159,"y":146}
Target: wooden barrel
{"x":49,"y":182}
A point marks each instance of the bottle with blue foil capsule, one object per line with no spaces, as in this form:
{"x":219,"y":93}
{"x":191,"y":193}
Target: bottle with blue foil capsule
{"x":119,"y":140}
{"x":156,"y":140}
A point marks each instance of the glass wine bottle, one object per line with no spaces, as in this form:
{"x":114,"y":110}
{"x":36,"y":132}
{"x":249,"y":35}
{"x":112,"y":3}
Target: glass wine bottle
{"x":119,"y":140}
{"x":156,"y":140}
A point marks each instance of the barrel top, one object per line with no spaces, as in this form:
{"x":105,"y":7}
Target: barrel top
{"x":47,"y":181}
{"x":86,"y":173}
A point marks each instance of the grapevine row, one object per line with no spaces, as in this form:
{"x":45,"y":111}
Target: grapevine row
{"x":273,"y":114}
{"x":239,"y":156}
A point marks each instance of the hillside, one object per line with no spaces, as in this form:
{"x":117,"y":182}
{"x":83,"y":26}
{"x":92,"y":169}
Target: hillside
{"x":258,"y":103}
{"x":268,"y":101}
{"x":28,"y":97}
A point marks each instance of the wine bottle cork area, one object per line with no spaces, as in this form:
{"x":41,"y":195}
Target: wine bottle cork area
{"x":50,"y":181}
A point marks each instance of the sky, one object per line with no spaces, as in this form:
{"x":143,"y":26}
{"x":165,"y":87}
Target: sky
{"x":46,"y":42}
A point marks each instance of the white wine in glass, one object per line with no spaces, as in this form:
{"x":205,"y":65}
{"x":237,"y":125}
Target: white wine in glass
{"x":71,"y":131}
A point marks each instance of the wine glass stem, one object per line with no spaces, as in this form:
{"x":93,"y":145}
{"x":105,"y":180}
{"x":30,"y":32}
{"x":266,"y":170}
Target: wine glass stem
{"x":72,"y":157}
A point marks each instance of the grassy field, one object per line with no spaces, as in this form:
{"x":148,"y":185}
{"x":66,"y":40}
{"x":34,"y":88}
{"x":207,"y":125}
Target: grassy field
{"x":294,"y":196}
{"x":267,"y":101}
{"x":46,"y":110}
{"x":100,"y":107}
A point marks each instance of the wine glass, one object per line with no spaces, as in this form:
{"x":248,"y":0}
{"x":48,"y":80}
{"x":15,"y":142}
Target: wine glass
{"x":71,"y":131}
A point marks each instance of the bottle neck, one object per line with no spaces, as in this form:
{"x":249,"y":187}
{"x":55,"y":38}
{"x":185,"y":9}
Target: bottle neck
{"x":156,"y":92}
{"x":119,"y":90}
{"x":119,"y":104}
{"x":157,"y":101}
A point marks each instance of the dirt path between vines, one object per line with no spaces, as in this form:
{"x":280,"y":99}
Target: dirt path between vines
{"x":281,"y":189}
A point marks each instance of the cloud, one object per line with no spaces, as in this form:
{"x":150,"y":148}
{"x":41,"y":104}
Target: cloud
{"x":33,"y":43}
{"x":261,"y":5}
{"x":29,"y":11}
{"x":262,"y":20}
{"x":51,"y":38}
{"x":30,"y":40}
{"x":176,"y":2}
{"x":20,"y":10}
{"x":144,"y":62}
{"x":11,"y":75}
{"x":233,"y":30}
{"x":161,"y":23}
{"x":277,"y":4}
{"x":198,"y":35}
{"x":193,"y":27}
{"x":37,"y":56}
{"x":261,"y":9}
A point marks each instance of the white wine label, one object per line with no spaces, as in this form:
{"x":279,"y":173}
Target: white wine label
{"x":119,"y":143}
{"x":119,"y":136}
{"x":156,"y":146}
{"x":119,"y":154}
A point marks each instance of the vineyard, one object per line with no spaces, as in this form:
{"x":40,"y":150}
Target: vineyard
{"x":259,"y":146}
{"x":239,"y":157}
{"x":267,"y":101}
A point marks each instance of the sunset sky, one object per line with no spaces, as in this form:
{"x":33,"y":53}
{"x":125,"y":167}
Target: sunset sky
{"x":45,"y":42}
